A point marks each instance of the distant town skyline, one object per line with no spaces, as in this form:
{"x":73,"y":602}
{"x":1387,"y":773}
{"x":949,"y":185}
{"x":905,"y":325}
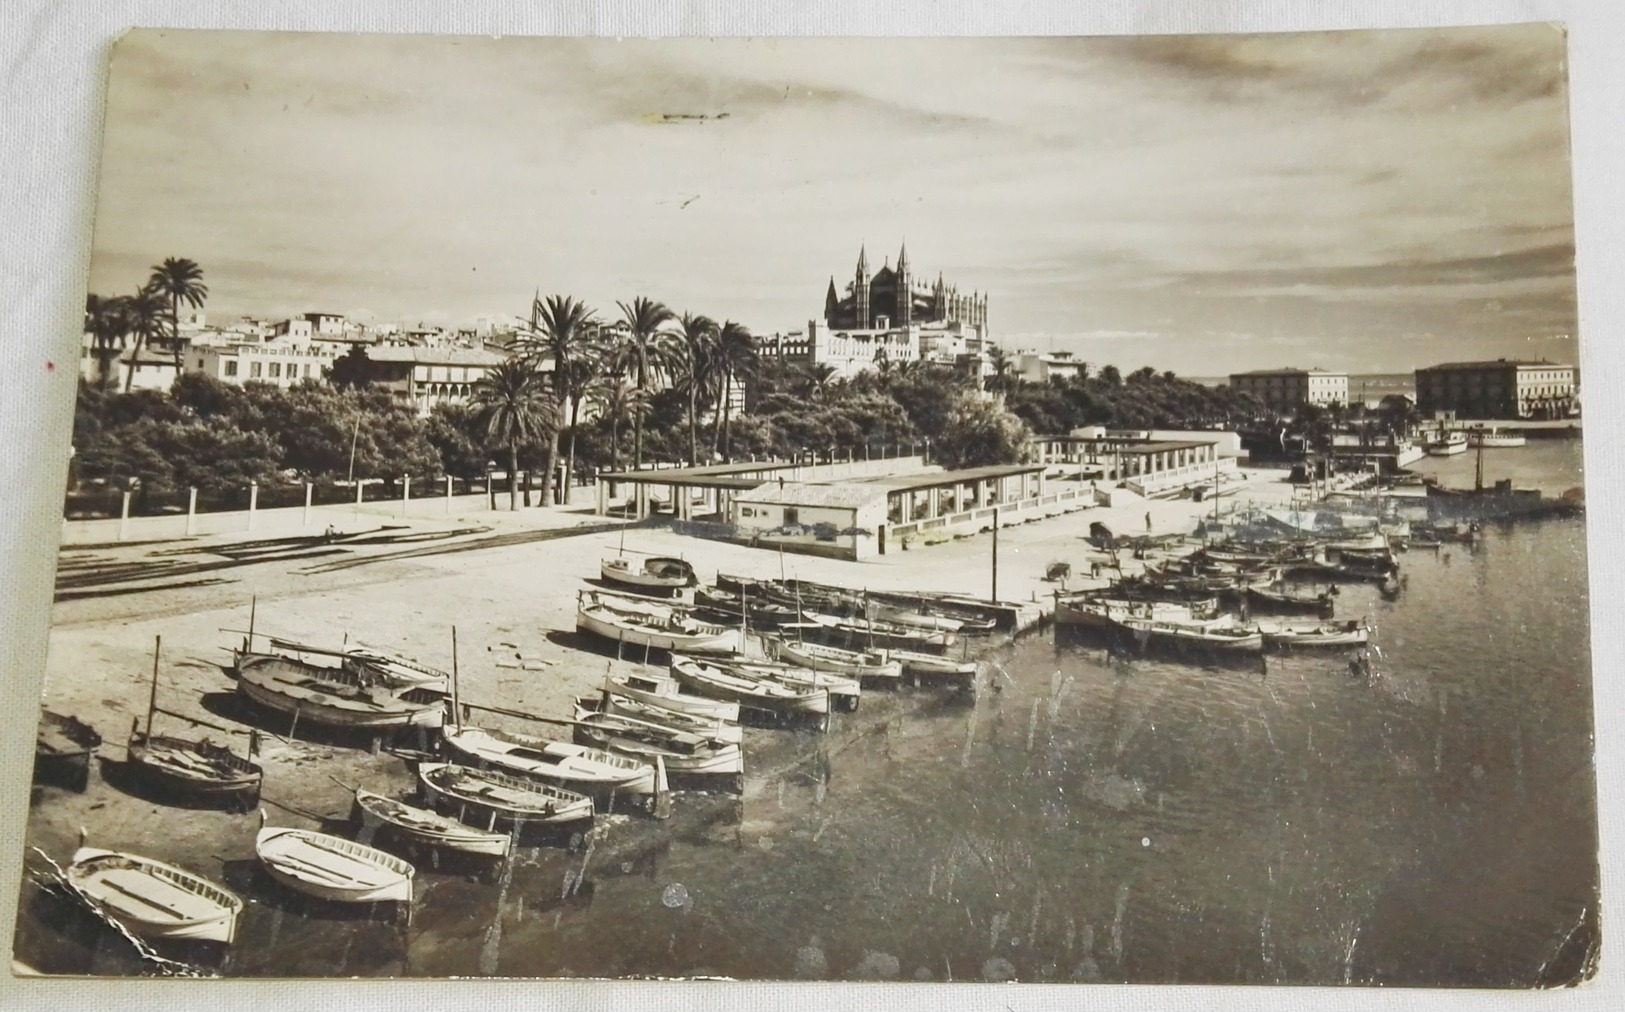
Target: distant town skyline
{"x":1360,"y":201}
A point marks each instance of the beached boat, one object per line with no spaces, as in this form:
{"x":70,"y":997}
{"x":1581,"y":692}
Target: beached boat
{"x":193,"y":767}
{"x":153,"y":900}
{"x":909,"y":618}
{"x":597,"y":773}
{"x":646,"y":624}
{"x":975,"y":617}
{"x":931,"y":665}
{"x":331,"y":867}
{"x":652,"y":573}
{"x":1447,"y":444}
{"x":724,"y":732}
{"x":845,"y":692}
{"x":859,"y":664}
{"x":1090,"y":611}
{"x":664,"y":691}
{"x":683,"y":753}
{"x":1218,"y":638}
{"x":493,"y":797}
{"x":728,"y":605}
{"x":762,"y":694}
{"x":64,"y":744}
{"x":1353,"y":632}
{"x":429,"y":828}
{"x":341,"y":698}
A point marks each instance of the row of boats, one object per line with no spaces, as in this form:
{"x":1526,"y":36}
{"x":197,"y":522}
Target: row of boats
{"x":482,"y":790}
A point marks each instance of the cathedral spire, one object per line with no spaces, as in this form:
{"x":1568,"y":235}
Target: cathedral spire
{"x":863,"y":261}
{"x":902,"y":259}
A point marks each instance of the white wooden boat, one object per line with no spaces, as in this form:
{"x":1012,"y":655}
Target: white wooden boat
{"x":153,"y":900}
{"x":1447,"y":444}
{"x":715,"y":729}
{"x":898,"y":615}
{"x":663,"y":691}
{"x":1353,"y":632}
{"x":333,"y":868}
{"x":931,"y":665}
{"x":495,"y":797}
{"x":346,"y":697}
{"x":600,"y":774}
{"x":420,"y":825}
{"x":845,"y":692}
{"x":851,"y":663}
{"x":681,"y":752}
{"x":648,"y":624}
{"x":1091,"y":612}
{"x":1226,"y":638}
{"x":651,"y":573}
{"x":753,"y":692}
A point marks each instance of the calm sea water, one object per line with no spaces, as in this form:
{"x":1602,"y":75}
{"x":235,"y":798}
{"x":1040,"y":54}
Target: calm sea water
{"x":1141,"y":821}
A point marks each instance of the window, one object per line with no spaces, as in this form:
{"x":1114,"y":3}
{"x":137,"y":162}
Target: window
{"x":791,"y":516}
{"x":254,"y":370}
{"x":276,"y":370}
{"x":230,"y":367}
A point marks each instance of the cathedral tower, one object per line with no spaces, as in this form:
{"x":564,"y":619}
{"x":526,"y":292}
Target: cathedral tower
{"x":860,"y":291}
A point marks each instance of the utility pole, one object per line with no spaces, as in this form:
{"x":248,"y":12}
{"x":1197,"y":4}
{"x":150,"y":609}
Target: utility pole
{"x":995,"y":595}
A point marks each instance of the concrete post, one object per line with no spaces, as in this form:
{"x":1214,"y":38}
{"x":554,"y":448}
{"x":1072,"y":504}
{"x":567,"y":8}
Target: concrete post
{"x":358,"y":487}
{"x":191,"y":510}
{"x":448,"y":495}
{"x":406,"y":492}
{"x":308,"y":488}
{"x":124,"y":516}
{"x":253,"y":502}
{"x":603,"y":497}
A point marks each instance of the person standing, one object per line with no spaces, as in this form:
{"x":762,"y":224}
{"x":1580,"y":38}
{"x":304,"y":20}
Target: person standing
{"x":1148,"y":523}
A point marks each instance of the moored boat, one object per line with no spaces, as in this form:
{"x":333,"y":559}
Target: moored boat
{"x":666,"y":692}
{"x":151,"y":899}
{"x":333,"y":868}
{"x":931,"y":665}
{"x":1447,"y":444}
{"x":647,"y":624}
{"x":1281,"y":600}
{"x":845,"y":692}
{"x":683,"y":753}
{"x":1218,"y":638}
{"x":430,"y":828}
{"x":196,"y":768}
{"x":496,"y":797}
{"x":64,"y":743}
{"x":1353,"y":632}
{"x":652,"y":573}
{"x":859,"y":664}
{"x":761,"y":694}
{"x":599,"y":774}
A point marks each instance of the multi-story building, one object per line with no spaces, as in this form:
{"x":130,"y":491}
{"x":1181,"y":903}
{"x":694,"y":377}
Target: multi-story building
{"x":299,"y":329}
{"x":279,"y":363}
{"x":1287,"y":389}
{"x":1041,"y":367}
{"x":430,"y":376}
{"x":1504,"y":388}
{"x":327,"y":324}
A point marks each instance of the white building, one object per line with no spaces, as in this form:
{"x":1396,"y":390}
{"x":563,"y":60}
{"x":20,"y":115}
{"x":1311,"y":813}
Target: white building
{"x":279,"y":363}
{"x":1286,"y":389}
{"x":327,"y":324}
{"x":1041,"y":367}
{"x":292,"y":330}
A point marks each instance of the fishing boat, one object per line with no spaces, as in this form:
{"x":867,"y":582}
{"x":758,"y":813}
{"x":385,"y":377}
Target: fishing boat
{"x":762,"y":612}
{"x":1279,"y":600}
{"x":921,"y":665}
{"x":1095,"y":612}
{"x":975,"y":617}
{"x":366,"y":691}
{"x":495,"y":797}
{"x":192,"y":767}
{"x":646,"y":624}
{"x":665,"y":692}
{"x":1218,"y":638}
{"x":331,"y":867}
{"x":910,"y":618}
{"x":845,"y":692}
{"x":153,"y":900}
{"x":1447,"y":444}
{"x":1314,"y":634}
{"x":860,"y":664}
{"x":710,"y":728}
{"x":65,"y":744}
{"x":597,"y":773}
{"x":430,"y":828}
{"x":761,"y":694}
{"x":1495,"y":439}
{"x":652,"y":573}
{"x":683,"y":753}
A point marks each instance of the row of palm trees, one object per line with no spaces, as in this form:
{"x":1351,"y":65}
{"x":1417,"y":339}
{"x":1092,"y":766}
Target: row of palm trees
{"x":565,"y":356}
{"x":115,"y":321}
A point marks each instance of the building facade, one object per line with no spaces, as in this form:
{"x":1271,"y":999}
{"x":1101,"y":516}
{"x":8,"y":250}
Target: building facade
{"x":430,"y":376}
{"x":1287,"y":389}
{"x":1041,"y":367}
{"x":1503,"y":388}
{"x":279,"y":363}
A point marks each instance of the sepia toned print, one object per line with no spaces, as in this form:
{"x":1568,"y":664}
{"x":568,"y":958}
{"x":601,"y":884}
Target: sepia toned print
{"x":1043,"y":510}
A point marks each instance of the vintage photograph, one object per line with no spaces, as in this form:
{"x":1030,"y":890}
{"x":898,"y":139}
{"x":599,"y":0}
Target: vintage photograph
{"x":1066,"y":510}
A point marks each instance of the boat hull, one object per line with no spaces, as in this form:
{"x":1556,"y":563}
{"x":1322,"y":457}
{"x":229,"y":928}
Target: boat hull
{"x":598,"y":624}
{"x":749,"y":693}
{"x":149,"y":902}
{"x":259,"y":682}
{"x":642,"y":579}
{"x":852,"y":665}
{"x":431,"y":829}
{"x":576,"y":768}
{"x":331,"y":868}
{"x":503,"y":799}
{"x":195,"y":769}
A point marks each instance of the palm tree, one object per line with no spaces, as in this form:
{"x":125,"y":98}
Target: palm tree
{"x":816,"y":380}
{"x":999,"y":359}
{"x":646,"y":352}
{"x":107,"y":323}
{"x":616,"y":400}
{"x":513,"y":405}
{"x":734,"y":355}
{"x":697,"y":335}
{"x":564,"y":330}
{"x":143,"y":320}
{"x":178,"y":280}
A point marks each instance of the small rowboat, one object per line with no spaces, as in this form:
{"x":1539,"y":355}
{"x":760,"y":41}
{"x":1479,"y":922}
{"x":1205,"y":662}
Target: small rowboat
{"x":195,"y":768}
{"x":349,"y":698}
{"x":432,"y":829}
{"x":501,"y":798}
{"x":331,"y":867}
{"x":709,"y":728}
{"x":1216,"y":638}
{"x":851,"y":663}
{"x":666,"y":693}
{"x":844,"y":692}
{"x":655,"y":573}
{"x":682,"y":752}
{"x":931,"y":665}
{"x":64,"y":742}
{"x":1315,"y":634}
{"x":153,"y":900}
{"x":647,"y":624}
{"x":915,"y":619}
{"x":754,"y":693}
{"x":600,"y":774}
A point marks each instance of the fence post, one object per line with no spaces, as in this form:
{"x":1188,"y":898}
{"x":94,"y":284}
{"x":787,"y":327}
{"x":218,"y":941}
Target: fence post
{"x":124,"y":515}
{"x":253,"y":501}
{"x":448,"y":495}
{"x":406,"y":492}
{"x":358,"y":487}
{"x":308,"y":487}
{"x":191,"y":510}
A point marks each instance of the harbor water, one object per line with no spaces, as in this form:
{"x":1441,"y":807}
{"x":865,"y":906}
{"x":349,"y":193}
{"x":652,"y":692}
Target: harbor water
{"x":1095,"y":819}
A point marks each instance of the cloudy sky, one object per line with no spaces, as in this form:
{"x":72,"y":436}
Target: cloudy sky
{"x":1371,"y":201}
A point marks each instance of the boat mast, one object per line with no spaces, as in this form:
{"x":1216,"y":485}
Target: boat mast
{"x":456,"y":701}
{"x":1478,"y":479}
{"x":152,"y":698}
{"x":253,"y":606}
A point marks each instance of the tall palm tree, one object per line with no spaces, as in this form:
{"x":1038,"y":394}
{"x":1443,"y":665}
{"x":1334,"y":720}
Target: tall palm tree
{"x":697,"y":334}
{"x":646,"y":351}
{"x":107,"y":323}
{"x":178,"y":280}
{"x":144,"y":321}
{"x":999,"y":359}
{"x":816,"y":380}
{"x":564,"y":331}
{"x":513,"y":405}
{"x":616,"y":399}
{"x":734,"y":355}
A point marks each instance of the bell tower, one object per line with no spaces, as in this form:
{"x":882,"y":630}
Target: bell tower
{"x":860,"y":291}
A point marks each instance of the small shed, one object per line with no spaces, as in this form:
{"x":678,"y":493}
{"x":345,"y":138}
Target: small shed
{"x":842,"y":520}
